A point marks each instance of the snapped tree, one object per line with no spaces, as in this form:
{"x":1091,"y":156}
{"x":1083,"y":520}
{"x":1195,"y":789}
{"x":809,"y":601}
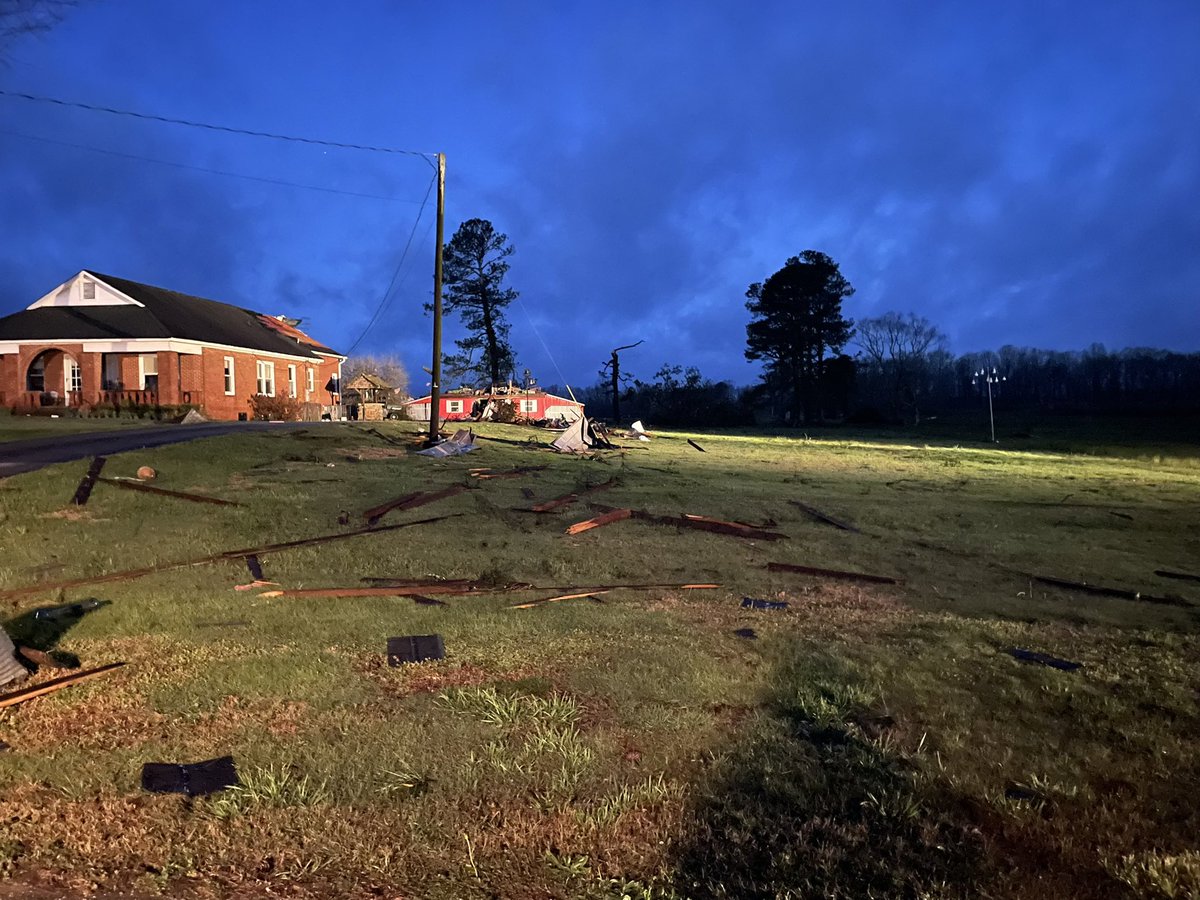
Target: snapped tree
{"x":796,"y":322}
{"x":474,"y":267}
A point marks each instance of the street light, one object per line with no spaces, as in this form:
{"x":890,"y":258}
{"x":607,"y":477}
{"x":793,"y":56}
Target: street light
{"x":991,"y":377}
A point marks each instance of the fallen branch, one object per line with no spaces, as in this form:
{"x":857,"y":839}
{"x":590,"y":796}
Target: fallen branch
{"x":830,"y":573}
{"x":411,"y":501}
{"x":163,"y":492}
{"x":565,"y":499}
{"x":89,"y":481}
{"x":1179,"y":576}
{"x":823,"y":517}
{"x":607,"y":518}
{"x":1100,"y":591}
{"x":55,"y":684}
{"x":130,"y":574}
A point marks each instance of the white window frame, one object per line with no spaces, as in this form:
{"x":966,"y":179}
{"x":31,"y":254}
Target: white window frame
{"x":142,"y":373}
{"x":310,"y":387}
{"x":265,"y":370}
{"x":72,"y":376}
{"x":230,"y":376}
{"x":528,"y":406}
{"x":292,"y":380}
{"x":454,"y":406}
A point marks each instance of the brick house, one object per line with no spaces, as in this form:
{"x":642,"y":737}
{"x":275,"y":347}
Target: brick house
{"x":96,"y":339}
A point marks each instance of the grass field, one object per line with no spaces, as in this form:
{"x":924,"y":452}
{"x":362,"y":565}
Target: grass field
{"x":869,"y":741}
{"x":25,"y":427}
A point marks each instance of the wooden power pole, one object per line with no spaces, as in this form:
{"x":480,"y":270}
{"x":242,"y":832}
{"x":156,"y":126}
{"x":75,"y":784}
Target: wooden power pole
{"x":435,"y":388}
{"x":614,"y":364}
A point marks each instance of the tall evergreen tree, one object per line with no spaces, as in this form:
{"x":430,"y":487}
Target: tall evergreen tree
{"x":796,"y":323}
{"x":473,"y":270}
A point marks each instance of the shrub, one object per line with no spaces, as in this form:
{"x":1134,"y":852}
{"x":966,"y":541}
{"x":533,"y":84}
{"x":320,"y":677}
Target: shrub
{"x":274,"y":409}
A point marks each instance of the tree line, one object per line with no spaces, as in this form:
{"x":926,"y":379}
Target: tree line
{"x":817,"y":364}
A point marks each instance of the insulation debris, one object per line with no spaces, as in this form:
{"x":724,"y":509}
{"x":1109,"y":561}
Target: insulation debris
{"x":1044,"y":659}
{"x":415,"y":648}
{"x":132,"y":485}
{"x":196,"y":779}
{"x":824,"y":517}
{"x":89,"y":481}
{"x":55,"y":684}
{"x":462,"y":442}
{"x":607,"y":518}
{"x":831,"y":573}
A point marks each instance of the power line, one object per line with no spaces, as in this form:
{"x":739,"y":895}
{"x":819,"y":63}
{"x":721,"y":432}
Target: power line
{"x":224,"y":128}
{"x":178,"y":165}
{"x":383,"y":301}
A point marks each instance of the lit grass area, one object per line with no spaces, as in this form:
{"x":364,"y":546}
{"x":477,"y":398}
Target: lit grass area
{"x":26,"y":427}
{"x":870,"y":740}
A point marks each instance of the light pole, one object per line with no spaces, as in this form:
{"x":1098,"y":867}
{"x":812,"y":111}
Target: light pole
{"x":991,"y":377}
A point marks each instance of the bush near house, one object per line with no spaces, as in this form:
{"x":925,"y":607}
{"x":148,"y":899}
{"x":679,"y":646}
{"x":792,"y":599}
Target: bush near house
{"x":274,"y":409}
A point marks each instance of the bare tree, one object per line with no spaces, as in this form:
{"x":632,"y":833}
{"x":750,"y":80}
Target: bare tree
{"x":389,"y":368}
{"x":901,"y":350}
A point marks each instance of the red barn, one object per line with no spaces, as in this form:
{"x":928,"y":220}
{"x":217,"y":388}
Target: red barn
{"x":533,"y":404}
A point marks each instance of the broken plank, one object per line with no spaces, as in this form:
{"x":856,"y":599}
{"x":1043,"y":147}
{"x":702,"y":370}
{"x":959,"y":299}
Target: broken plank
{"x":1101,"y":591}
{"x":532,"y":603}
{"x":825,"y":517}
{"x":616,"y":515}
{"x":488,"y":474}
{"x":473,"y":588}
{"x":565,"y":499}
{"x":1179,"y":576}
{"x":89,"y":481}
{"x":411,"y":501}
{"x":697,"y":446}
{"x":830,"y":573}
{"x":130,"y":485}
{"x":55,"y":684}
{"x":418,"y":582}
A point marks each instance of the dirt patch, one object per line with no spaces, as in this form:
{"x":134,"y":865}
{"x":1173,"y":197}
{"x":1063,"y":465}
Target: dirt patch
{"x":374,"y":452}
{"x":73,"y":514}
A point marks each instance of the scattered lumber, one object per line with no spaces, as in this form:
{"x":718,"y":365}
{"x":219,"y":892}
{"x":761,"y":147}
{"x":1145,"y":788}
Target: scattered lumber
{"x":566,"y":499}
{"x":132,"y":485}
{"x":411,"y":501}
{"x":55,"y":684}
{"x":697,"y":446}
{"x":1179,"y":576}
{"x":830,"y":573}
{"x":701,"y":523}
{"x":532,"y":603}
{"x":474,"y":587}
{"x":224,"y":556}
{"x":418,"y":582}
{"x":488,"y":474}
{"x":607,"y":518}
{"x":1101,"y":591}
{"x":89,"y":481}
{"x":825,"y":517}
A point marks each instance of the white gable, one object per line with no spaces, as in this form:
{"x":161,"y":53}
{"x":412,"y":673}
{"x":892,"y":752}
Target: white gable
{"x":85,"y":289}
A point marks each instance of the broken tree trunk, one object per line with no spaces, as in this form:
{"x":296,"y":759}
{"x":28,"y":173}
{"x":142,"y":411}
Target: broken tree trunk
{"x":823,"y":517}
{"x":607,"y":518}
{"x":55,"y":684}
{"x":180,"y":495}
{"x":830,"y":573}
{"x":411,"y":501}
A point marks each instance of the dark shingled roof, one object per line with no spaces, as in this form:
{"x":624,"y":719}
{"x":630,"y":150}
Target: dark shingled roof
{"x":164,"y":314}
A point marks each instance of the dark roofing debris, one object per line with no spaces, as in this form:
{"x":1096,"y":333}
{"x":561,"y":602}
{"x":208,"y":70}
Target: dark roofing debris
{"x":753,"y":603}
{"x":415,"y":648}
{"x":748,"y":633}
{"x":227,"y":555}
{"x":1180,"y":576}
{"x":830,"y":573}
{"x":411,"y":501}
{"x":462,"y":442}
{"x":1044,"y":659}
{"x":132,"y":485}
{"x":55,"y":684}
{"x":69,"y":610}
{"x":566,"y":499}
{"x":824,"y":517}
{"x":1101,"y":591}
{"x":194,"y":779}
{"x":527,"y":493}
{"x":89,"y":481}
{"x":607,"y":518}
{"x":254,"y":566}
{"x":697,"y":446}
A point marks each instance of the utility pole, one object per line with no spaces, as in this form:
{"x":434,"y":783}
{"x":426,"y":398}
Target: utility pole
{"x":614,"y":365}
{"x":435,"y":388}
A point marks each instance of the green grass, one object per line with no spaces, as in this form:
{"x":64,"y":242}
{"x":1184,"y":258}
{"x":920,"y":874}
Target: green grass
{"x":20,"y":427}
{"x":871,"y":741}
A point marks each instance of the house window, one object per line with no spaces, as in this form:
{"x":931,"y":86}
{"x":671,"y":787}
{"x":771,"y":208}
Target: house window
{"x":528,"y":406}
{"x":230,"y":386}
{"x":74,"y":377}
{"x":89,"y":290}
{"x":148,"y":371}
{"x":291,"y":381}
{"x":266,"y":378}
{"x":310,"y":381}
{"x":35,"y":378}
{"x":454,"y":406}
{"x":112,"y":372}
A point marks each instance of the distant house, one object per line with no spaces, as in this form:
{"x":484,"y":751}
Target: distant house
{"x":367,"y":396}
{"x":96,"y":339}
{"x":532,"y":404}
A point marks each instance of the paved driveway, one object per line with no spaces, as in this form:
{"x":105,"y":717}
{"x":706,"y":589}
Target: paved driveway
{"x":25,"y":456}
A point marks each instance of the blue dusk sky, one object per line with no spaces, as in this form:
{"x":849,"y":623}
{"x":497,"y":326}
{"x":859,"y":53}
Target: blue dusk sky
{"x":1019,"y":173}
